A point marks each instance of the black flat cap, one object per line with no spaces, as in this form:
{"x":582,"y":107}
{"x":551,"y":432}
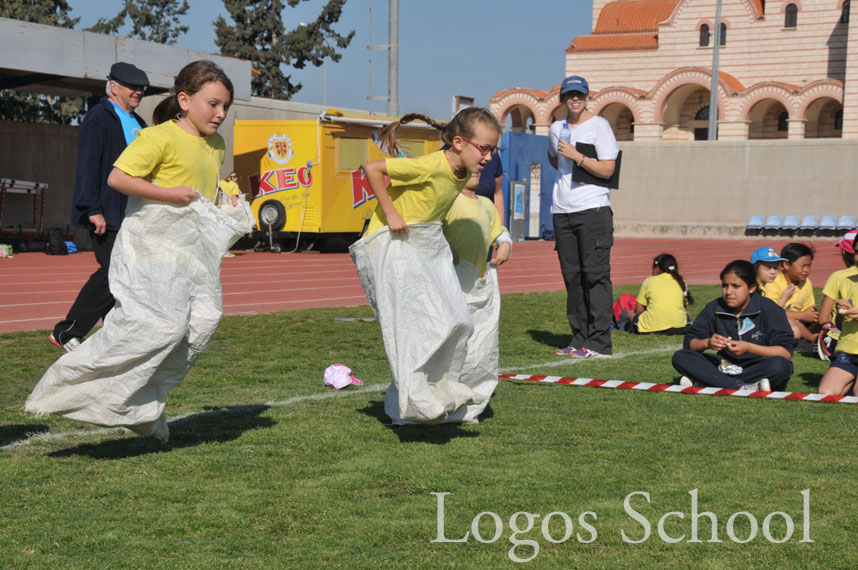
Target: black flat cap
{"x":128,"y":74}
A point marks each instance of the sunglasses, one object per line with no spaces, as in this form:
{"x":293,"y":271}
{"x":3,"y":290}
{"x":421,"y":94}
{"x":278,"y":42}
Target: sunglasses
{"x":484,"y":149}
{"x":141,"y":88}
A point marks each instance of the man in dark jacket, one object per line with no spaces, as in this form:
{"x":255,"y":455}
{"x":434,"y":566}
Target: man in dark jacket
{"x":105,"y":132}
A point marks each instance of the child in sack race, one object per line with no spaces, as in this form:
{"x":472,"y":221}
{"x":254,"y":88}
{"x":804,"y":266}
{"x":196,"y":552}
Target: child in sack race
{"x":165,"y":267}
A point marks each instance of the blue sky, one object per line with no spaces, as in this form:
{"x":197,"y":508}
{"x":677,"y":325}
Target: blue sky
{"x":447,"y":47}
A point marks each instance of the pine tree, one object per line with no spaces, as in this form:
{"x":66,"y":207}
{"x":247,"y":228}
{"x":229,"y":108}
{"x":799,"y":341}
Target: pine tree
{"x":258,"y":35}
{"x":155,"y":20}
{"x":32,"y":107}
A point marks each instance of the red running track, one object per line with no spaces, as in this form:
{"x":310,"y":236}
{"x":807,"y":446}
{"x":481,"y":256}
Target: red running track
{"x":36,"y":289}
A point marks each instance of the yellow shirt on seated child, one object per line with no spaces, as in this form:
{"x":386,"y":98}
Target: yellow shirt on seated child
{"x":664,"y":301}
{"x":843,"y":284}
{"x":802,"y":298}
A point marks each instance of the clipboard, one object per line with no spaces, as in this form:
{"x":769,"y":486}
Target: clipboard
{"x":582,"y":176}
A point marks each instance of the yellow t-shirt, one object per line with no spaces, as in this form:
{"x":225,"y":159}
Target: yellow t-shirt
{"x":471,"y":226}
{"x":843,"y":284}
{"x":229,"y":187}
{"x":422,"y":189}
{"x":665,"y":308}
{"x":802,"y":298}
{"x":167,"y":156}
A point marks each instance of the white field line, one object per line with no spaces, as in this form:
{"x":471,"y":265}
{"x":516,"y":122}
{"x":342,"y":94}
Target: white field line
{"x":568,"y":361}
{"x":560,"y":361}
{"x":178,"y":420}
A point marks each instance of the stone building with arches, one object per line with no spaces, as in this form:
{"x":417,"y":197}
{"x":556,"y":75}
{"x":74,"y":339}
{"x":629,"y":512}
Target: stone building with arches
{"x":786,"y":71}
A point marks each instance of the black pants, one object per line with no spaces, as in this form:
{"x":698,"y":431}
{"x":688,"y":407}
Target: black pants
{"x":94,"y":300}
{"x":703,"y":367}
{"x":583,"y":245}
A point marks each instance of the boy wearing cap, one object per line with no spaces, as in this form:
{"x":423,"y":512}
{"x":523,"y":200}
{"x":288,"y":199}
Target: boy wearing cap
{"x":106,"y":130}
{"x":583,"y":221}
{"x":767,"y":264}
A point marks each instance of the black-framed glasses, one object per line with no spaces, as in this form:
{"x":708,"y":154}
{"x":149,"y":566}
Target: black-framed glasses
{"x":484,"y":149}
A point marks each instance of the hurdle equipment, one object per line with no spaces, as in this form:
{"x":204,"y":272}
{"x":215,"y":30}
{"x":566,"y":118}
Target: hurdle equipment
{"x":656,"y":387}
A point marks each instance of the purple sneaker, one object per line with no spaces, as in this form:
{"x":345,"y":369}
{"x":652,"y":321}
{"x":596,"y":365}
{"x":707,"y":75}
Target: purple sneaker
{"x":566,"y":351}
{"x":587,"y":353}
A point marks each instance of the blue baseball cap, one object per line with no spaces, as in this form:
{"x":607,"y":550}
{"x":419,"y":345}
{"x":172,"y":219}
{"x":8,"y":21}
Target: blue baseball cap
{"x":574,"y":83}
{"x":765,"y":253}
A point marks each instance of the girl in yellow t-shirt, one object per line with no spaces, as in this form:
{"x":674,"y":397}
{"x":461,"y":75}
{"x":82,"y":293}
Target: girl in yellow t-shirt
{"x":662,"y":299}
{"x":165,"y":267}
{"x":406,"y":267}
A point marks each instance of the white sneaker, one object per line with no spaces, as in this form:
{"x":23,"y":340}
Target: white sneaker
{"x":70,"y":344}
{"x":759,"y":386}
{"x":686,"y":381}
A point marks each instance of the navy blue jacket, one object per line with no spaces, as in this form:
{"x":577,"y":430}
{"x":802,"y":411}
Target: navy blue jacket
{"x":763,"y":322}
{"x":99,"y":144}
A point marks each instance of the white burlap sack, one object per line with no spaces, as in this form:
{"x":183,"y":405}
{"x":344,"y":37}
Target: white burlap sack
{"x":480,"y":370}
{"x":411,"y":284}
{"x":165,"y":277}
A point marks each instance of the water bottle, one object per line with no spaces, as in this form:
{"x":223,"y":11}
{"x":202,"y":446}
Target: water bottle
{"x":565,"y":136}
{"x":565,"y":133}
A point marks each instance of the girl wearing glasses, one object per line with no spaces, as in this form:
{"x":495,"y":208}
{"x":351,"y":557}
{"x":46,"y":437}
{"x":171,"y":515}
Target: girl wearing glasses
{"x":406,"y":267}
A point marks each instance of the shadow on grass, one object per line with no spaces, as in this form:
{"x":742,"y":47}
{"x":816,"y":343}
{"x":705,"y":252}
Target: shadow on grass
{"x":20,"y":432}
{"x":213,"y":425}
{"x":810,"y":379}
{"x":550,"y":339}
{"x":439,"y":434}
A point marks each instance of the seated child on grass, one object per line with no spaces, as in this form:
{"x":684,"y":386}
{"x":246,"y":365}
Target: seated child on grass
{"x":794,"y":284}
{"x":767,"y":263}
{"x":834,"y":304}
{"x":750,"y":334}
{"x":661,"y":300}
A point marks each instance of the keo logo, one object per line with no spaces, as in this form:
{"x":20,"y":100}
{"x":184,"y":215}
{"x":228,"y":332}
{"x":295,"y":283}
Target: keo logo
{"x":280,"y":149}
{"x":279,"y":180}
{"x":361,"y":192}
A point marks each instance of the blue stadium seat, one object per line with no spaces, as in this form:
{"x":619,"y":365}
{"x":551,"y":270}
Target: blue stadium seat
{"x":828,"y":222}
{"x":773,"y":222}
{"x":756,"y":222}
{"x":791,"y":222}
{"x":810,"y":222}
{"x":846,"y":223}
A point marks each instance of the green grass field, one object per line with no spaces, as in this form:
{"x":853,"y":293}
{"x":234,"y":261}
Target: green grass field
{"x":266,"y":468}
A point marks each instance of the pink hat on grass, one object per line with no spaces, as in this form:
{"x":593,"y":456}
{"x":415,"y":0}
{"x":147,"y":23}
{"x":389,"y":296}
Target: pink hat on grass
{"x":339,"y":376}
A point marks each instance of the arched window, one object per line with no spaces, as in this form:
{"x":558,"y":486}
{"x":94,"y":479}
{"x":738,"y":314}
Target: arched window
{"x":844,"y":16}
{"x":838,"y":120}
{"x":723,"y":34}
{"x":791,"y":17}
{"x":783,"y":121}
{"x":704,"y":35}
{"x":702,"y":114}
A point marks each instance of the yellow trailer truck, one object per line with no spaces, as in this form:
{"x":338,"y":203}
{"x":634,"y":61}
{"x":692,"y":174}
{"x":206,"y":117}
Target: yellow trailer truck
{"x":304,"y":177}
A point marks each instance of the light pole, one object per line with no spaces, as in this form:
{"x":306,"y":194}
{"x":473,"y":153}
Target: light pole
{"x":713,"y":90}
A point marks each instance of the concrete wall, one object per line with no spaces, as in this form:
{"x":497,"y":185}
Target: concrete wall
{"x":712,"y":188}
{"x":39,"y":153}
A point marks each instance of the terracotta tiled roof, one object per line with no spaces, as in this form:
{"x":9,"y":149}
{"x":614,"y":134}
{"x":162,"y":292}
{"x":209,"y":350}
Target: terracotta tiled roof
{"x":731,"y":81}
{"x":614,"y":42}
{"x":633,"y":15}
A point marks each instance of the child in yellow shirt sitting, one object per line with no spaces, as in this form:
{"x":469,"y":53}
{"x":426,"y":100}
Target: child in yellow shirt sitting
{"x":793,"y":282}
